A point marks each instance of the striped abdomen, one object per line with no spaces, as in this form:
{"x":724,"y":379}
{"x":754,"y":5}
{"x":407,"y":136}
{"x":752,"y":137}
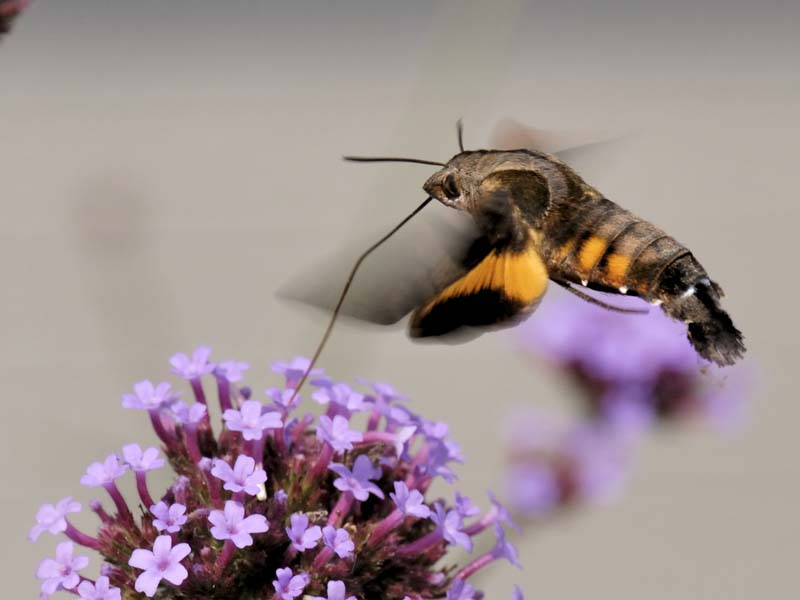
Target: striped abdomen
{"x":597,"y":244}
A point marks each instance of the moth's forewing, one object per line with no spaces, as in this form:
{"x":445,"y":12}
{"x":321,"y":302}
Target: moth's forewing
{"x":421,"y":259}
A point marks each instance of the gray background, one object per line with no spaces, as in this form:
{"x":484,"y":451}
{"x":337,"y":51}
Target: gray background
{"x":166,"y":165}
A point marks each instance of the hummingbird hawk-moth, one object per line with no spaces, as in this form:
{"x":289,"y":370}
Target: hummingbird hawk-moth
{"x":536,"y":220}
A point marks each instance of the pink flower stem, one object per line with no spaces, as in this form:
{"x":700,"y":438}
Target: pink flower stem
{"x":101,"y":513}
{"x":197,"y":388}
{"x":224,"y":393}
{"x":190,"y":439}
{"x":475,"y":565}
{"x":374,"y":419}
{"x":224,"y":557}
{"x":158,"y":427}
{"x":341,"y":509}
{"x":422,"y":544}
{"x":255,"y":449}
{"x":301,"y":428}
{"x":119,"y":501}
{"x":488,"y":519}
{"x":322,"y":559}
{"x":141,"y":487}
{"x":214,"y":489}
{"x":323,"y":461}
{"x":81,"y":538}
{"x":385,"y":527}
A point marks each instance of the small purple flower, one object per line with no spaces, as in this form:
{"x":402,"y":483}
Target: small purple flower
{"x":104,"y":473}
{"x":141,"y":460}
{"x":100,"y":590}
{"x":516,"y":594}
{"x":410,"y":503}
{"x":341,"y":395}
{"x":288,"y":586}
{"x":53,"y":518}
{"x":336,"y":591}
{"x":232,"y":370}
{"x":194,"y":367}
{"x":600,"y":461}
{"x":338,"y":540}
{"x":251,"y":420}
{"x":294,"y":370}
{"x":503,"y":548}
{"x":61,"y":573}
{"x":300,"y":534}
{"x":451,"y":524}
{"x":337,"y":433}
{"x":358,"y":481}
{"x":461,"y":590}
{"x":146,"y":396}
{"x":168,"y":518}
{"x":188,"y":414}
{"x":465,"y":507}
{"x":243,"y":477}
{"x":163,"y":562}
{"x":232,"y":524}
{"x":286,"y":400}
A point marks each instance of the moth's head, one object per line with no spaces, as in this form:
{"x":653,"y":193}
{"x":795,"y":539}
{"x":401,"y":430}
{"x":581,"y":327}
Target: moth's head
{"x":456,"y":184}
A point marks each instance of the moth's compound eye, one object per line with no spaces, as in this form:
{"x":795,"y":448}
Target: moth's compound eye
{"x":449,"y":187}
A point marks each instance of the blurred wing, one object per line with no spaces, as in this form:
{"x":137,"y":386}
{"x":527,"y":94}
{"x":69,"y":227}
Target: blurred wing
{"x":502,"y":288}
{"x":429,"y":253}
{"x":588,"y":159}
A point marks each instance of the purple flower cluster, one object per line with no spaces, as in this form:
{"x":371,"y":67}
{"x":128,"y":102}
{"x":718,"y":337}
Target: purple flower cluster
{"x":274,"y":504}
{"x":633,"y":372}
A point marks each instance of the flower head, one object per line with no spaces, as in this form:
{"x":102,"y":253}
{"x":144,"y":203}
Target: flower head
{"x":162,"y":562}
{"x":251,"y":420}
{"x":146,"y":396}
{"x":301,"y":535}
{"x":358,"y":481}
{"x":287,"y":585}
{"x":243,"y":477}
{"x":336,"y":591}
{"x":100,"y":590}
{"x":294,"y":370}
{"x":231,"y":524}
{"x":168,"y":518}
{"x":61,"y":573}
{"x":141,"y":460}
{"x":338,"y":540}
{"x":259,"y":494}
{"x":101,"y":474}
{"x":337,"y":433}
{"x":53,"y":518}
{"x":194,"y":366}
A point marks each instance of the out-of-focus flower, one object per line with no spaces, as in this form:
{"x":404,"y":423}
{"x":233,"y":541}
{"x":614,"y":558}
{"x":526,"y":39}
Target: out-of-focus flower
{"x":259,"y":508}
{"x":633,"y":370}
{"x":9,"y":11}
{"x":632,"y":373}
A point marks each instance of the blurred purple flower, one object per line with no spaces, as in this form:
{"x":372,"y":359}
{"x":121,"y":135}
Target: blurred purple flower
{"x":100,"y":590}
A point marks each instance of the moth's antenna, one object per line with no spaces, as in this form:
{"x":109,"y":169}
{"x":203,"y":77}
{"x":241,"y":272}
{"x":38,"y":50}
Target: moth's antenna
{"x":419,"y":161}
{"x":597,"y":302}
{"x":346,"y":288}
{"x":460,"y":131}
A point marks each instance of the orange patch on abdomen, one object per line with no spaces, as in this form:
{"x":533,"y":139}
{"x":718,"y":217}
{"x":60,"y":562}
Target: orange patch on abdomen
{"x":616,"y":269}
{"x":590,"y":253}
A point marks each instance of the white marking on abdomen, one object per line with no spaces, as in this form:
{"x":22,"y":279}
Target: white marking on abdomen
{"x":691,"y":290}
{"x":623,"y":289}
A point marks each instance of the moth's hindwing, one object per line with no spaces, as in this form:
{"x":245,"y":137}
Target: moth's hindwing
{"x":503,"y":287}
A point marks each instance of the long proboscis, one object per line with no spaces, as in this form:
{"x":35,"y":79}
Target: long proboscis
{"x":346,"y":289}
{"x":418,"y":161}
